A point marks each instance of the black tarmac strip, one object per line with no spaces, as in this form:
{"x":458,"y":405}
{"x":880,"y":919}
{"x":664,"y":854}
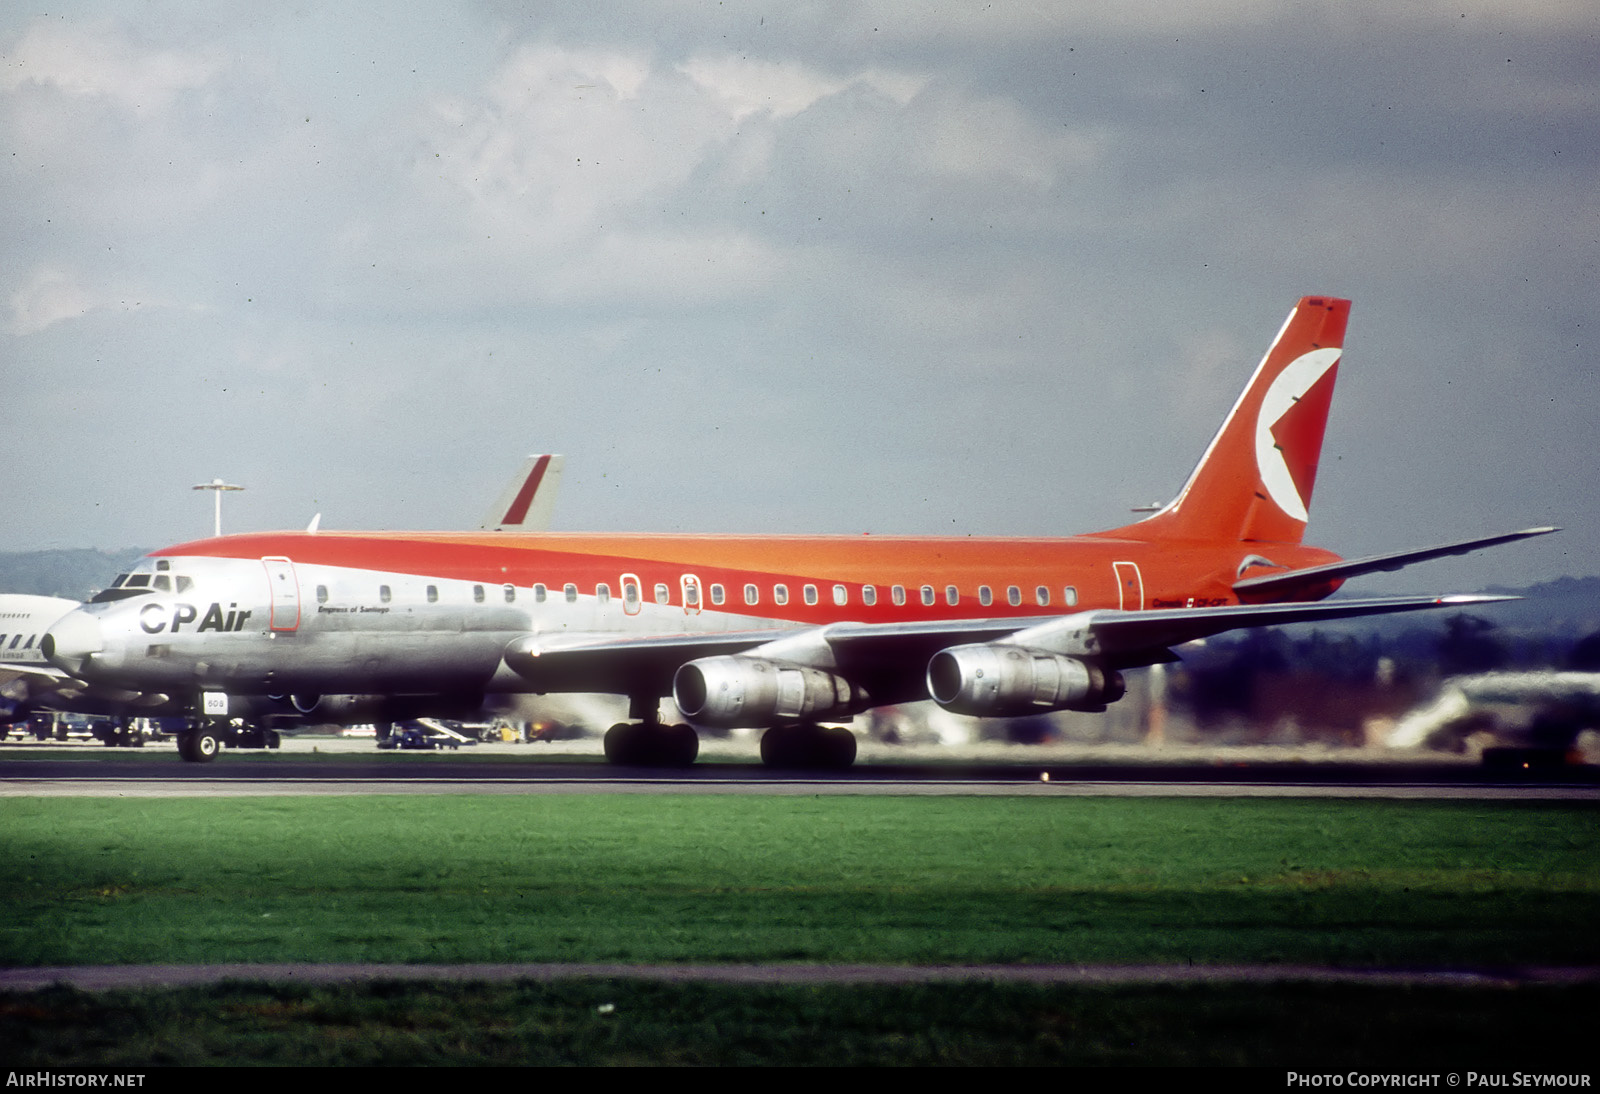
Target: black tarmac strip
{"x":258,"y":767}
{"x":122,"y":977}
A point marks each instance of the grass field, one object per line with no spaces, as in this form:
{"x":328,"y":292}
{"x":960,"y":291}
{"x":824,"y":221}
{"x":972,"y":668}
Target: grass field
{"x":826,"y":879}
{"x":897,"y":880}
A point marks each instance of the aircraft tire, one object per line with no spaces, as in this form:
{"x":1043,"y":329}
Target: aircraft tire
{"x":782,"y":747}
{"x":680,"y":746}
{"x":838,"y":749}
{"x":205,"y":745}
{"x":622,"y":744}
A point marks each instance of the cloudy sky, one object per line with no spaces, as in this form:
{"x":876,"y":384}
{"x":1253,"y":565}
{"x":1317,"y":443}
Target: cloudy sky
{"x":889,"y":266}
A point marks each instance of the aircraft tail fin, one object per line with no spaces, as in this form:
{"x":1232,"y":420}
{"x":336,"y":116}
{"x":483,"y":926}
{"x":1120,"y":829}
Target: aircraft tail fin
{"x":528,"y":502}
{"x":1254,"y":482}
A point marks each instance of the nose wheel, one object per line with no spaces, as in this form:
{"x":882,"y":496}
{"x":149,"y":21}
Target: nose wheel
{"x":199,"y":743}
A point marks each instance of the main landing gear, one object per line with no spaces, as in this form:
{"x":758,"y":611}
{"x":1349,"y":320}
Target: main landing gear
{"x":648,"y":743}
{"x":805,"y":746}
{"x":651,"y":744}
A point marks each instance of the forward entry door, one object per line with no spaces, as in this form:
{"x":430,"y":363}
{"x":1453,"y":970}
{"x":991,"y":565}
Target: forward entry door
{"x":283,"y":594}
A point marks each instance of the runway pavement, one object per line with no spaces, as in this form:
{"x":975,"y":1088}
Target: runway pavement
{"x":335,"y":766}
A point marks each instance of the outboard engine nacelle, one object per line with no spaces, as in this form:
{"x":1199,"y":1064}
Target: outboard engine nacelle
{"x":1000,"y":681}
{"x":733,"y":692}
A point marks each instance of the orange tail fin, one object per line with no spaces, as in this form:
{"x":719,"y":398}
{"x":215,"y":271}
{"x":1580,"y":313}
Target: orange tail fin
{"x":1254,"y":482}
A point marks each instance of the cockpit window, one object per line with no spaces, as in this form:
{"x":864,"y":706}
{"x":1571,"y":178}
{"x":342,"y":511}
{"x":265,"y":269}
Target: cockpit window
{"x":126,"y":585}
{"x":107,"y":595}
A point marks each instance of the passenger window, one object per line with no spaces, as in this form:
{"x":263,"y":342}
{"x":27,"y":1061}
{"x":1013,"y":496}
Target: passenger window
{"x":571,"y":592}
{"x":433,"y":594}
{"x":322,"y":594}
{"x":780,"y":594}
{"x":841,"y":595}
{"x":477,"y":594}
{"x":869,"y":595}
{"x":951,"y":596}
{"x":898,"y":595}
{"x":985,"y":595}
{"x":540,"y":593}
{"x":630,"y":594}
{"x":602,"y":593}
{"x":717,"y":595}
{"x":752,"y":595}
{"x":1013,"y":596}
{"x":691,"y":595}
{"x":1069,"y":596}
{"x":511,"y":594}
{"x":1042,"y":595}
{"x":663,"y":596}
{"x":811,"y":594}
{"x":927,"y":596}
{"x":384,"y":594}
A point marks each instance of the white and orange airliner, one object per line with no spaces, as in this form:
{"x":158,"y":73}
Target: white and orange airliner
{"x":782,"y":633}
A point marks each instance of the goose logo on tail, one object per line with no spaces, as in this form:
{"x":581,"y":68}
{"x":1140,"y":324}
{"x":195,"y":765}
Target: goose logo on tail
{"x":1289,"y":429}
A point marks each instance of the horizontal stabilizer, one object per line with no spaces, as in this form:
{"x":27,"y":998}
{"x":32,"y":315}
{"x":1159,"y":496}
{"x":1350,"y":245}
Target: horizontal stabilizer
{"x":1286,"y":586}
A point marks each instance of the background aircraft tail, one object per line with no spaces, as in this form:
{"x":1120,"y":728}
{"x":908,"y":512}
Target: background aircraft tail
{"x":529,"y":500}
{"x":1254,"y":482}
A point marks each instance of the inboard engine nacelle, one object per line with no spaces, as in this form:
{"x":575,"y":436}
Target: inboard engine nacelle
{"x":734,"y":692}
{"x":996,"y":680}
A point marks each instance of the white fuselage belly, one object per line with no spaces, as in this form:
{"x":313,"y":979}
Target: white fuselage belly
{"x":353,"y":630}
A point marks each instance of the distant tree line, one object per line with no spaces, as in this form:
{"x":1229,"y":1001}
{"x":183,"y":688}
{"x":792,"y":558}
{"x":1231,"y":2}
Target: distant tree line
{"x":75,"y":573}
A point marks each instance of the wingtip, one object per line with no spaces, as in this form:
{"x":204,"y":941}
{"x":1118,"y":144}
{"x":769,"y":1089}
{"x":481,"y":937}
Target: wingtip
{"x":1473,"y":598}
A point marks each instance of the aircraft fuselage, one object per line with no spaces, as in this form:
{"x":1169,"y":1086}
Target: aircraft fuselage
{"x":433,"y":613}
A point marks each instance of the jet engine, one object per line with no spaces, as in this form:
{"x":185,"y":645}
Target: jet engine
{"x":1000,"y":681}
{"x":733,"y":691}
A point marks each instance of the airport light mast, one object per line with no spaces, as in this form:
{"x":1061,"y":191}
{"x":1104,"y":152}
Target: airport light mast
{"x":217,"y":486}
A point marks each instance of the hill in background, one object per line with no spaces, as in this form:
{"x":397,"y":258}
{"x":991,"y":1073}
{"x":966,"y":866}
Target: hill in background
{"x":78,"y":573}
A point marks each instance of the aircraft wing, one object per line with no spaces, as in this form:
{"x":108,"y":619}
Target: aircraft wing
{"x":890,"y":659}
{"x":1299,"y":582}
{"x":620,"y":663}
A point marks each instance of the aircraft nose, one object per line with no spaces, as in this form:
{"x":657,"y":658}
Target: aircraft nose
{"x":70,"y":643}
